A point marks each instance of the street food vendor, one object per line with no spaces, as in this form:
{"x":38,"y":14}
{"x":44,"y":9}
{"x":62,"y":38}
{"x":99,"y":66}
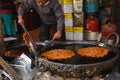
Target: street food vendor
{"x":50,"y":13}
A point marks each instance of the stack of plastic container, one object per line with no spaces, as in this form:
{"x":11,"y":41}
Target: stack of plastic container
{"x":78,"y":19}
{"x":67,"y":6}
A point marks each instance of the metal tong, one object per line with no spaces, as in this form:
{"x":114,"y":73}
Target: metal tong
{"x":49,"y":42}
{"x":32,"y":44}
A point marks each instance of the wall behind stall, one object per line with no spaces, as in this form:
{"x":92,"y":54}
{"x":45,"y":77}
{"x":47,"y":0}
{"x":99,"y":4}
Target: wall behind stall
{"x":116,"y":14}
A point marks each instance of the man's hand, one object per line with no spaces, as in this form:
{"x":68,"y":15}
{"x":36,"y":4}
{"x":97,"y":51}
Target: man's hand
{"x":57,"y":35}
{"x":20,"y":20}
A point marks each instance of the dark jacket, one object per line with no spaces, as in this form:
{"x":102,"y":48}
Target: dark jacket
{"x":50,"y":14}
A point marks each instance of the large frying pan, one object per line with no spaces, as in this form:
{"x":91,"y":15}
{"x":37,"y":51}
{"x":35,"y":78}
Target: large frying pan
{"x":77,"y":66}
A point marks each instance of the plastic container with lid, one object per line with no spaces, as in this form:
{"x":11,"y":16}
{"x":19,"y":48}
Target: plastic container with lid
{"x":92,"y":27}
{"x":108,"y":28}
{"x":91,"y":6}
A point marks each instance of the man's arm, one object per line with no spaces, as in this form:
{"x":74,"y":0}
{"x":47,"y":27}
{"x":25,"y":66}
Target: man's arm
{"x":59,"y":14}
{"x":25,"y":6}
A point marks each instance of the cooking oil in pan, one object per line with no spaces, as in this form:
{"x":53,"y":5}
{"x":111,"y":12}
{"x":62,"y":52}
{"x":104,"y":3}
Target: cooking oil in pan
{"x":77,"y":59}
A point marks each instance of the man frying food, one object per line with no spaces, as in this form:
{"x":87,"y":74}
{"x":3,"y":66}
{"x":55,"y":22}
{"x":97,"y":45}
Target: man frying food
{"x":50,"y":13}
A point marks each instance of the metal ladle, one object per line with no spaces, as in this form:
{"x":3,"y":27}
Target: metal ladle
{"x":34,"y":46}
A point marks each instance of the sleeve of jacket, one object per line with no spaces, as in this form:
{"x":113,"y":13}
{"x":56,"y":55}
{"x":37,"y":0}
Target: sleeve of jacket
{"x":59,"y":14}
{"x":26,"y":4}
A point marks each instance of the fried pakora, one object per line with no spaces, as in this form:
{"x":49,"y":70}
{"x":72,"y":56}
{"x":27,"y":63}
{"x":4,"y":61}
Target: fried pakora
{"x":93,"y":52}
{"x":58,"y":54}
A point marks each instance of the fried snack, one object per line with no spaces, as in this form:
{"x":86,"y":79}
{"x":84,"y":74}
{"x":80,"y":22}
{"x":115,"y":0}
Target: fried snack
{"x":14,"y":53}
{"x":93,"y":52}
{"x":34,"y":35}
{"x":58,"y":54}
{"x":26,"y":39}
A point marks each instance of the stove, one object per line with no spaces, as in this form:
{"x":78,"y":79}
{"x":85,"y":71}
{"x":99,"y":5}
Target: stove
{"x":44,"y":74}
{"x":40,"y":73}
{"x":49,"y":76}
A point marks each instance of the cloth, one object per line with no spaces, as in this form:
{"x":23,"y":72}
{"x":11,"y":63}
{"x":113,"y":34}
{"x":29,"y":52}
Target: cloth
{"x":51,"y":13}
{"x":8,"y":27}
{"x":6,"y":14}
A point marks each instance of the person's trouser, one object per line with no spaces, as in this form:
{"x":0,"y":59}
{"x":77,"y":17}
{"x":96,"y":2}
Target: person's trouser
{"x":46,"y":32}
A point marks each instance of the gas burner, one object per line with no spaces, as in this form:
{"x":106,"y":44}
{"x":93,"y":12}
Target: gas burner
{"x":47,"y":75}
{"x":44,"y":74}
{"x":113,"y":76}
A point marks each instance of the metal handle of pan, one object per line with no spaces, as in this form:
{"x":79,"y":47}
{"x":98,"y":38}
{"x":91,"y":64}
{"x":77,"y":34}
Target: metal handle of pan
{"x":109,"y":36}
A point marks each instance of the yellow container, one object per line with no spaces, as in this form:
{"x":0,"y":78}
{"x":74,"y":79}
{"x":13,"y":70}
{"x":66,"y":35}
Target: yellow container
{"x":78,"y":33}
{"x":68,"y":15}
{"x":78,"y":29}
{"x":67,"y":1}
{"x":68,"y":29}
{"x":69,"y":33}
{"x":68,"y":20}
